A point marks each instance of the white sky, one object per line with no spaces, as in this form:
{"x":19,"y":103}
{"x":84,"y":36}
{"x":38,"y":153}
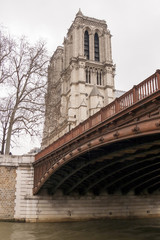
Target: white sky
{"x":134,"y":24}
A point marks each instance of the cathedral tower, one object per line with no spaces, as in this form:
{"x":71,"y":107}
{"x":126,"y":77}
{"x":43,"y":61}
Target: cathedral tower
{"x":80,"y":77}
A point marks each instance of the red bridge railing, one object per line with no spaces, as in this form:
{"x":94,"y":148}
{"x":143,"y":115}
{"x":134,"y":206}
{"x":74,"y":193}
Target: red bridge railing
{"x":137,"y":93}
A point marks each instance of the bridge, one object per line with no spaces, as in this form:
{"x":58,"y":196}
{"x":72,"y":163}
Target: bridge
{"x":115,"y":150}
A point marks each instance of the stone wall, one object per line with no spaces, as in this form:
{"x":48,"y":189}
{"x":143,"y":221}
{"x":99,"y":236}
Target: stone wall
{"x":7,"y":191}
{"x":18,"y":203}
{"x":60,"y":208}
{"x":10,"y":182}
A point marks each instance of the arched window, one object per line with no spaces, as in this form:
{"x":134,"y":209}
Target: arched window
{"x":96,"y":47}
{"x":86,"y":44}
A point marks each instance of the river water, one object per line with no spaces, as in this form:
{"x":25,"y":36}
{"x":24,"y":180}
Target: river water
{"x":141,"y":229}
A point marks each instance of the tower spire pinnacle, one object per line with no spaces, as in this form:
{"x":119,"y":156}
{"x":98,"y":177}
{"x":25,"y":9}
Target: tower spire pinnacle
{"x":79,"y":13}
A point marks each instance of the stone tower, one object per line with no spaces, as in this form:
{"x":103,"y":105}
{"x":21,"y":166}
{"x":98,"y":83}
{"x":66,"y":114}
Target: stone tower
{"x":80,"y":77}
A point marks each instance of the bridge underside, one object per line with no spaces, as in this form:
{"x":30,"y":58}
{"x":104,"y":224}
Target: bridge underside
{"x":130,"y":165}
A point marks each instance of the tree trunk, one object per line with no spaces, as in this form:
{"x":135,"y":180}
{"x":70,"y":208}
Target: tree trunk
{"x":8,"y":140}
{"x":3,"y":140}
{"x":9,"y":133}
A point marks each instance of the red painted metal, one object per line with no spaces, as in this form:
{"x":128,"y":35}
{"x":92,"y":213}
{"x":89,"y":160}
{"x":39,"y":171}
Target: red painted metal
{"x":136,"y":94}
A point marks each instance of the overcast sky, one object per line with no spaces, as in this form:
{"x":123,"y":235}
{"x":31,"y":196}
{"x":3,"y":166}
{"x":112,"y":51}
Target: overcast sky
{"x":134,"y":25}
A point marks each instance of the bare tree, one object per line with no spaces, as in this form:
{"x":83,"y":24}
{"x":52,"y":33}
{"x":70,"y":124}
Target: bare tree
{"x":6,"y":48}
{"x":5,"y":111}
{"x":26,"y":86}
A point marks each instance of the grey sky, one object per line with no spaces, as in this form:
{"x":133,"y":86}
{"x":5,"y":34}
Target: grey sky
{"x":134,"y":24}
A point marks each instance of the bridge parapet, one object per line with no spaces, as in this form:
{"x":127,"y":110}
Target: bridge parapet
{"x":138,"y":93}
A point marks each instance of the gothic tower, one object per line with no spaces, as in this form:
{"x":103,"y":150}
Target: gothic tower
{"x":80,"y":77}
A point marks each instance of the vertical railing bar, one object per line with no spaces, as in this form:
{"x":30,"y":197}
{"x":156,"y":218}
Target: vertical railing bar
{"x":158,"y":78}
{"x":140,"y":93}
{"x":156,"y":81}
{"x":151,"y":86}
{"x":145,"y":89}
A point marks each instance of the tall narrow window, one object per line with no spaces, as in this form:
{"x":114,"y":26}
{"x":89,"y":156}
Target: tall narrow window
{"x":88,"y":76}
{"x":86,"y":44}
{"x":99,"y":77}
{"x":96,"y":47}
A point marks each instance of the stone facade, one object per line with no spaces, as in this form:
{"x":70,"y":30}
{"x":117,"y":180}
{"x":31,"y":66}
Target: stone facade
{"x":80,"y":77}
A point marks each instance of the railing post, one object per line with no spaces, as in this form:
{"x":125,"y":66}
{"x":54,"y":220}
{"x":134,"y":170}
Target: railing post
{"x":117,"y":107}
{"x":135,"y":94}
{"x":158,"y":78}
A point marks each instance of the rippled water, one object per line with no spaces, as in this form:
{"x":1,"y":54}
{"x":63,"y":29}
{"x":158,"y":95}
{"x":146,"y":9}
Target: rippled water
{"x":141,"y":229}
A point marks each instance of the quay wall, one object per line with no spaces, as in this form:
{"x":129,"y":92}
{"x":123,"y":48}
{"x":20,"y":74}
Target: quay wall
{"x":17,"y":202}
{"x":7,"y":191}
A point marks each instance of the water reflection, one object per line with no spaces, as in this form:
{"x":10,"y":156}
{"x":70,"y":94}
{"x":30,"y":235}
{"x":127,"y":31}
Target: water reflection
{"x":141,"y":229}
